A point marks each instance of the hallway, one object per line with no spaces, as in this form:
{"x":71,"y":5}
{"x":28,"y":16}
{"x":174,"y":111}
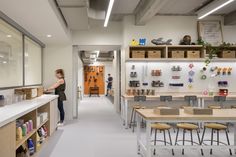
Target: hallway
{"x":97,"y":129}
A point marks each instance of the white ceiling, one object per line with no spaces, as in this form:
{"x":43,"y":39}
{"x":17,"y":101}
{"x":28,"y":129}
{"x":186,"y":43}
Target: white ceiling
{"x":228,"y":9}
{"x":181,"y":6}
{"x":122,"y":7}
{"x":38,"y":18}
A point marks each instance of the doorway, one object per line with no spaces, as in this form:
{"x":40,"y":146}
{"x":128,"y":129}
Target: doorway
{"x":93,"y":65}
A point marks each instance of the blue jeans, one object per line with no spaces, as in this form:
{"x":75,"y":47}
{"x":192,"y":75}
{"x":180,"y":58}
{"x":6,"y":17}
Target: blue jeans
{"x":61,"y":110}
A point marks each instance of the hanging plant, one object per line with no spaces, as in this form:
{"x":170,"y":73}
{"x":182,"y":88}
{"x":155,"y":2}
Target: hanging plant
{"x":212,"y":51}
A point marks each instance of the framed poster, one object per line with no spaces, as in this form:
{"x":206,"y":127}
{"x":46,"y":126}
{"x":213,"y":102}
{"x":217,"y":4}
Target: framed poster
{"x":210,"y":32}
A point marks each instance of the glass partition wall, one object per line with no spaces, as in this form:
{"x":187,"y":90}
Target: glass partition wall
{"x":20,"y":58}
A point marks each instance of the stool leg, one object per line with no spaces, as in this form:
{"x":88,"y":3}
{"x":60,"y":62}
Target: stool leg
{"x":218,"y":137}
{"x":134,"y":120}
{"x":227,"y":136}
{"x":212,"y":138}
{"x":183,"y":141}
{"x":164,"y":133}
{"x":199,"y":140}
{"x":155,"y":141}
{"x":191,"y":134}
{"x":177,"y":134}
{"x":171,"y":142}
{"x":131,"y":119}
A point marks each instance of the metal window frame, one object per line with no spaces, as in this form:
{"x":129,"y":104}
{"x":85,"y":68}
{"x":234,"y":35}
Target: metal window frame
{"x":24,"y":34}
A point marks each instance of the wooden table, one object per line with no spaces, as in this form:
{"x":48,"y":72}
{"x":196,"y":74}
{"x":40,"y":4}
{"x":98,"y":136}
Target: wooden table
{"x":201,"y":102}
{"x":222,"y":115}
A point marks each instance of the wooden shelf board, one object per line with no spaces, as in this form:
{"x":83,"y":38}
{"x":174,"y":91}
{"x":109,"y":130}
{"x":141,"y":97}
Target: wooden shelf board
{"x":184,"y":46}
{"x":149,"y":46}
{"x":164,"y":59}
{"x":25,"y":138}
{"x":42,"y":123}
{"x":179,"y":60}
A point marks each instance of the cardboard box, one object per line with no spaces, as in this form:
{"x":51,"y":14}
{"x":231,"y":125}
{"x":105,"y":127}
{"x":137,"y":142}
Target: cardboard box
{"x":40,"y":91}
{"x":227,"y":54}
{"x":138,"y":54}
{"x":30,"y":93}
{"x":154,"y":54}
{"x":166,"y":111}
{"x":193,"y":54}
{"x":177,"y":54}
{"x":198,"y":111}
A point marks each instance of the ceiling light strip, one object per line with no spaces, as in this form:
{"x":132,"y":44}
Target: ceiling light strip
{"x":215,"y":9}
{"x":111,"y":2}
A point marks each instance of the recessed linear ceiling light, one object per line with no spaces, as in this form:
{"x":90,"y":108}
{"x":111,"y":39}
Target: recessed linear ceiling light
{"x":9,"y":36}
{"x":218,"y":5}
{"x":111,"y":2}
{"x":4,"y":62}
{"x":49,"y":35}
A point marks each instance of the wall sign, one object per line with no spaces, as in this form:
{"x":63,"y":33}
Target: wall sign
{"x":210,"y":32}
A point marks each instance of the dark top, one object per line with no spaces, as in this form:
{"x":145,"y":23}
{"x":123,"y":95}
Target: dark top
{"x":60,"y":90}
{"x":110,"y":79}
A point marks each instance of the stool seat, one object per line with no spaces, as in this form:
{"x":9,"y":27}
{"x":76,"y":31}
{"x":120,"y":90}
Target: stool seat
{"x":184,"y":106}
{"x":216,"y":126}
{"x":136,"y":106}
{"x":214,"y":107}
{"x":233,"y":106}
{"x":187,"y":126}
{"x":160,"y":126}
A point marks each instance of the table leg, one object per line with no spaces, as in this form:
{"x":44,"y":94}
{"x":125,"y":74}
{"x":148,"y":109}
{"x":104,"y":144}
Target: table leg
{"x":148,"y":139}
{"x":199,"y":102}
{"x":138,"y":132}
{"x":203,"y":103}
{"x":235,"y":137}
{"x":126,"y":114}
{"x":122,"y":110}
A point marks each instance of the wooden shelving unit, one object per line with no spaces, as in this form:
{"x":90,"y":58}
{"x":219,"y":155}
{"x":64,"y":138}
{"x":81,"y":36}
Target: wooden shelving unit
{"x":25,"y":138}
{"x":166,"y":53}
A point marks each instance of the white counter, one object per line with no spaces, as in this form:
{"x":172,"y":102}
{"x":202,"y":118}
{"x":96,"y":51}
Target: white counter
{"x":12,"y":112}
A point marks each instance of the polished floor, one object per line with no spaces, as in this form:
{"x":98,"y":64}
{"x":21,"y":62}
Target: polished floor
{"x":99,"y":133}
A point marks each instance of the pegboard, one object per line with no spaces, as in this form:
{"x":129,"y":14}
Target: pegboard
{"x":144,"y":70}
{"x":94,"y":77}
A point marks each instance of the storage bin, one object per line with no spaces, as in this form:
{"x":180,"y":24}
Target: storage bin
{"x":154,"y":54}
{"x":227,"y":54}
{"x":177,"y":54}
{"x":138,"y":54}
{"x":193,"y":54}
{"x":29,"y":92}
{"x":40,"y":91}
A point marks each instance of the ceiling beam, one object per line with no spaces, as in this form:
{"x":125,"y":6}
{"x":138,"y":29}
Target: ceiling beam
{"x":148,"y":9}
{"x":230,"y":19}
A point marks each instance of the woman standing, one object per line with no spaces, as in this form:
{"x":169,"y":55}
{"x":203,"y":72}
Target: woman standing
{"x":60,"y":87}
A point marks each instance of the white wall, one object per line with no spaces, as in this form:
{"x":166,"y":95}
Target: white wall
{"x":80,"y":74}
{"x":170,"y":27}
{"x":98,"y":35}
{"x":55,"y":57}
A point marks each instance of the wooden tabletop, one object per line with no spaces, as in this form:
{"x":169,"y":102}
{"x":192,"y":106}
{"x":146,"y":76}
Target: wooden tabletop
{"x":218,"y":114}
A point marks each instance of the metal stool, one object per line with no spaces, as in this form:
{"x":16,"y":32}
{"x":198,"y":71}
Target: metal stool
{"x":188,"y":127}
{"x":216,"y":127}
{"x":162,"y":128}
{"x":135,"y":107}
{"x":220,"y":100}
{"x":166,"y":99}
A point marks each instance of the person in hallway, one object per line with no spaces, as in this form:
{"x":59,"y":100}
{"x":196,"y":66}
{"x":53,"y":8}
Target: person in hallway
{"x":109,"y":84}
{"x":60,"y":87}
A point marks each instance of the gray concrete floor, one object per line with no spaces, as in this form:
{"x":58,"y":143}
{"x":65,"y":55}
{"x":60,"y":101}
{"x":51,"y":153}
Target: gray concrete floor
{"x":99,"y":132}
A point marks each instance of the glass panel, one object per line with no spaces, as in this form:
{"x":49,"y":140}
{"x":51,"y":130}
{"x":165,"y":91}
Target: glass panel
{"x":33,"y":62}
{"x":11,"y":61}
